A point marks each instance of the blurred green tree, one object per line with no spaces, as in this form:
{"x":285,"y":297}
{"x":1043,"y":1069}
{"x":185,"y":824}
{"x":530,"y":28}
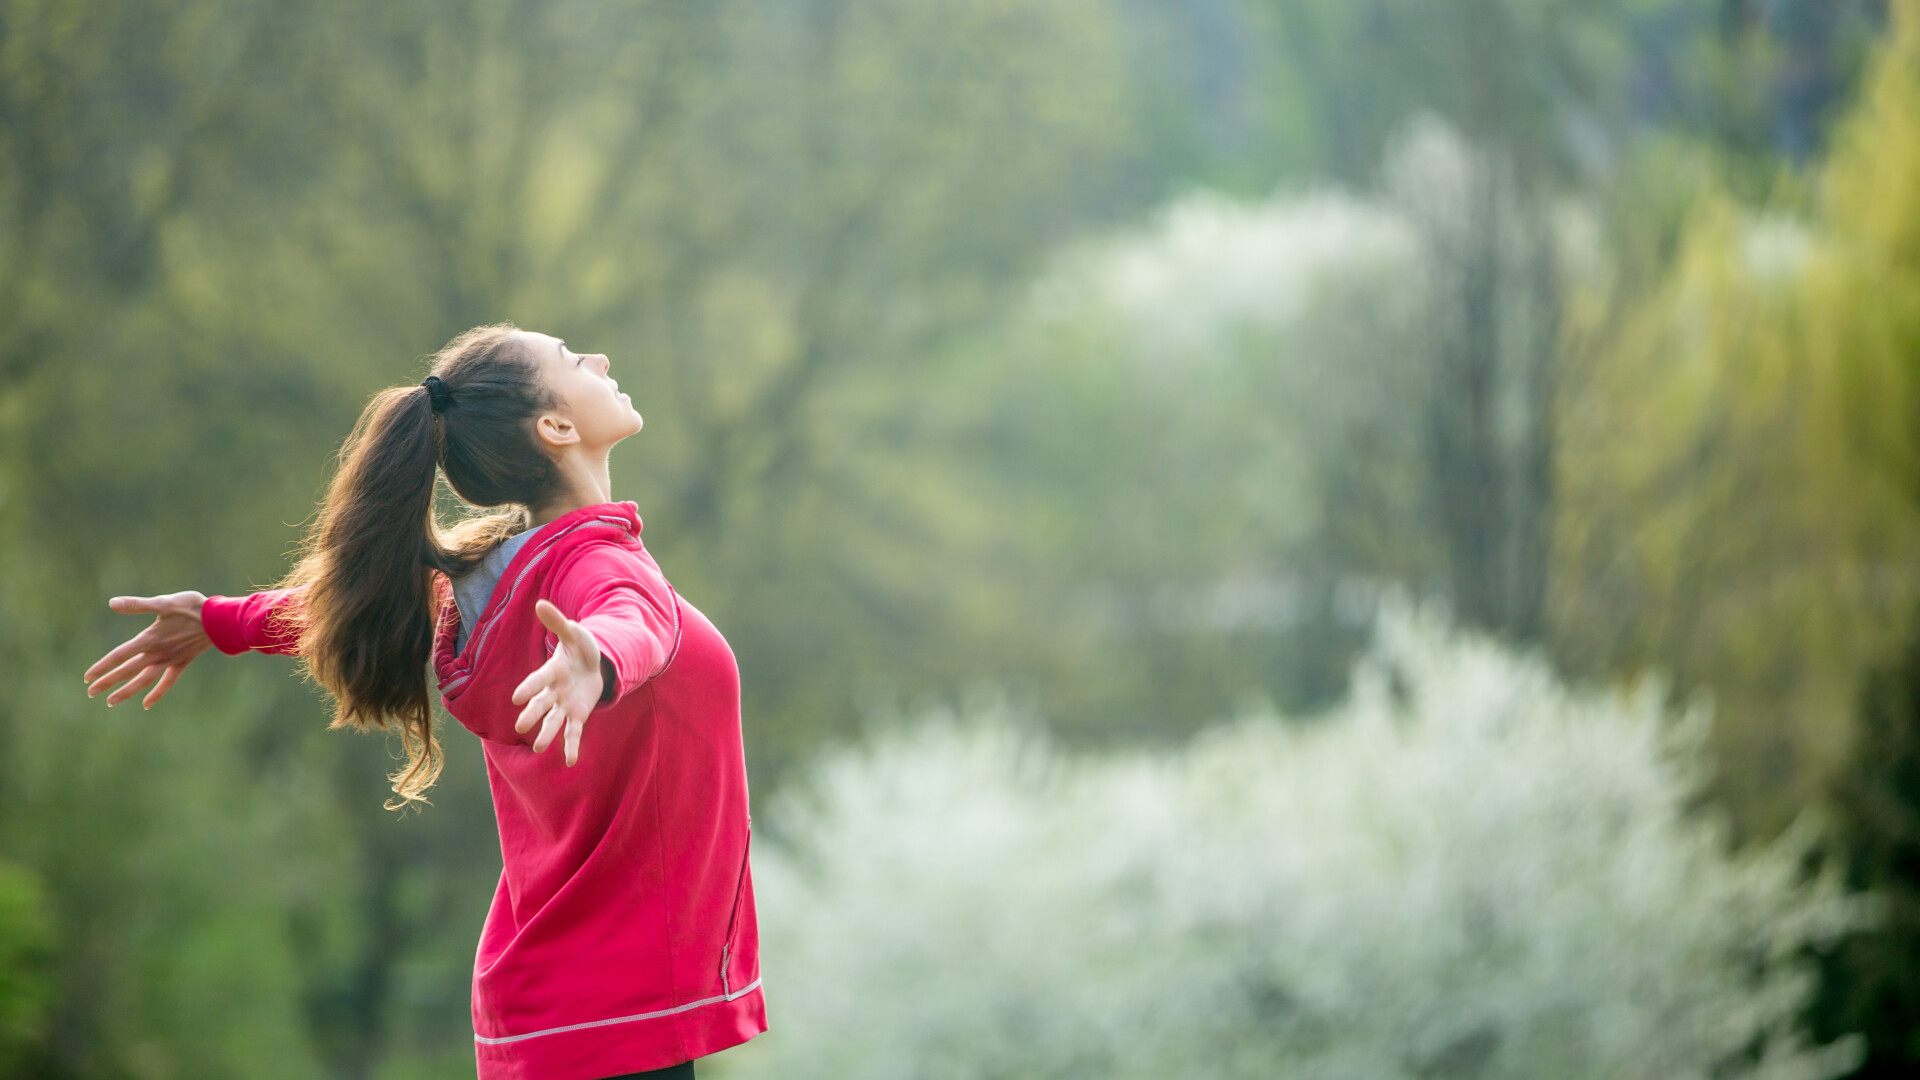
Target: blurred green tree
{"x":1736,"y":502}
{"x":223,"y":224}
{"x":26,"y":949}
{"x":1863,"y":310}
{"x":1870,"y":980}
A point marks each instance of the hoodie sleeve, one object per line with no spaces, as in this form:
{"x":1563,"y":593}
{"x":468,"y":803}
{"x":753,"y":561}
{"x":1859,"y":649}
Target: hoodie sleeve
{"x":626,"y":605}
{"x":238,"y":623}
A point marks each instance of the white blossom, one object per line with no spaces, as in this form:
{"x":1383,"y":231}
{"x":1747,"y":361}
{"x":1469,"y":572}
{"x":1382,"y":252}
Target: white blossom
{"x":1209,"y":267}
{"x":1465,"y":870}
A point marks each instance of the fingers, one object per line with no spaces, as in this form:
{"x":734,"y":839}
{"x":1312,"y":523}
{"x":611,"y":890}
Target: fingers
{"x":556,"y":722}
{"x":134,"y":605}
{"x":130,"y":647}
{"x":140,"y":682}
{"x":125,"y":670}
{"x":551,"y":618}
{"x":540,"y":693}
{"x":177,"y":603}
{"x":167,"y":680}
{"x":570,"y":633}
{"x":536,"y":708}
{"x":170,"y":604}
{"x":542,"y":678}
{"x":549,"y":727}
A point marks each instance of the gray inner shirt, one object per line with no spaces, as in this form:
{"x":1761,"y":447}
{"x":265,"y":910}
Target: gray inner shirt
{"x":472,"y":590}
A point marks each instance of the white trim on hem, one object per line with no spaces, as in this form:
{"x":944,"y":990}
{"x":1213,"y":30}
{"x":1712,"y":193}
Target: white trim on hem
{"x":742,"y":992}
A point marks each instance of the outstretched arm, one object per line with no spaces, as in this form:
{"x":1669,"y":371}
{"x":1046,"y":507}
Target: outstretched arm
{"x":156,"y":656}
{"x":184,"y":625}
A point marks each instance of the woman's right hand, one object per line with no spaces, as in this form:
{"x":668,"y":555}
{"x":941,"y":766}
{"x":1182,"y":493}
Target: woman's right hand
{"x":155,"y":656}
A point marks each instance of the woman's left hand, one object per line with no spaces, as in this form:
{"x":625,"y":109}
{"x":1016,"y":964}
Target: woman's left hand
{"x":561,"y":692}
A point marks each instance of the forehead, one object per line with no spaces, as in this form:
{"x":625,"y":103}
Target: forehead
{"x":544,"y":346}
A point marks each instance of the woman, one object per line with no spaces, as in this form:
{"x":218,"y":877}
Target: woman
{"x":622,"y":936}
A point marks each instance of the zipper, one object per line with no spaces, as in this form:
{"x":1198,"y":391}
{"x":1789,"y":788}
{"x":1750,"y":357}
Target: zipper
{"x":733,"y":919}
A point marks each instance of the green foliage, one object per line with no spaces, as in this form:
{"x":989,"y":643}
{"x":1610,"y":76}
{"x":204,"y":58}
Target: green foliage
{"x":1739,"y":505}
{"x":1869,"y":982}
{"x":26,"y":949}
{"x":223,"y":225}
{"x":807,"y":234}
{"x":1735,"y":505}
{"x":1713,"y":523}
{"x":1864,"y":303}
{"x":1568,"y":87}
{"x":1502,"y":71}
{"x":1865,"y":310}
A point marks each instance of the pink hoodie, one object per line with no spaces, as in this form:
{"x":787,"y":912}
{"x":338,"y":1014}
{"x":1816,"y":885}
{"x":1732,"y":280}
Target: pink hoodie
{"x":622,"y":935}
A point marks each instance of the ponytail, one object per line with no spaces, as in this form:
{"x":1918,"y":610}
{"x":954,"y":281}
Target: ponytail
{"x":367,"y":619}
{"x":366,"y":622}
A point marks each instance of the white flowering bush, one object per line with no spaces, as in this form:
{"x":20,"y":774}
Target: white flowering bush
{"x":1208,"y":268}
{"x":1467,"y":870}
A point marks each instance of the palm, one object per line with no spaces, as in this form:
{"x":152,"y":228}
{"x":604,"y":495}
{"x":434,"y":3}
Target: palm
{"x":561,"y":692}
{"x":156,"y":656}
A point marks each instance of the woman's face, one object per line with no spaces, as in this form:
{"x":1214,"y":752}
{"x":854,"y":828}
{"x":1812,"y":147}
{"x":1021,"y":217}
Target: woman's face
{"x":589,"y":401}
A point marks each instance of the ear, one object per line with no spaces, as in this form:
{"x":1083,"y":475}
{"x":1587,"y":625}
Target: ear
{"x":556,"y":430}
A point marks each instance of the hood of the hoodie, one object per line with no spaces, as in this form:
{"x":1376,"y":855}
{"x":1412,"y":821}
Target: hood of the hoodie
{"x":510,"y":609}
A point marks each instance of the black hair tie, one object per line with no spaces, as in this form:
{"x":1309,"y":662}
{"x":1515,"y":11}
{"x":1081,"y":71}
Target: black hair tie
{"x":437,"y":393}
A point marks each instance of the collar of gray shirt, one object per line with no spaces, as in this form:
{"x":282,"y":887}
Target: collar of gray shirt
{"x":472,"y":590}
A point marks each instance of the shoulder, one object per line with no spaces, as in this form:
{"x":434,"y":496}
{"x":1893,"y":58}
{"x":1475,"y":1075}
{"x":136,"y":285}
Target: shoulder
{"x":602,"y":554}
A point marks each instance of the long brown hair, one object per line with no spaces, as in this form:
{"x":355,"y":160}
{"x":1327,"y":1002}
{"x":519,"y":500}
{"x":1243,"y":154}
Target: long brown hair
{"x":366,"y":622}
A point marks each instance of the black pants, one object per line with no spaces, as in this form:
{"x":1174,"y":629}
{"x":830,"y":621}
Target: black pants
{"x":682,"y":1071}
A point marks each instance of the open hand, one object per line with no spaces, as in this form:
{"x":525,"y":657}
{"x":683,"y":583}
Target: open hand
{"x":155,"y":656}
{"x":561,"y":692}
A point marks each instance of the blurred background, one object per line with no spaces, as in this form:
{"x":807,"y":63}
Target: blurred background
{"x":1361,"y":538}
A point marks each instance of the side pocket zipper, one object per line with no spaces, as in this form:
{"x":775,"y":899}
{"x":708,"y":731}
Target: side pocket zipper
{"x":733,"y":919}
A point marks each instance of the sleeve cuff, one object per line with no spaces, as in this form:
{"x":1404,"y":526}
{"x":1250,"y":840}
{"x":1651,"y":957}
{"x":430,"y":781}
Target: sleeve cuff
{"x":622,"y":686}
{"x":220,"y":617}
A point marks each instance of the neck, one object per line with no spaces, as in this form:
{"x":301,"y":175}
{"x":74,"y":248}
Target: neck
{"x":584,"y":481}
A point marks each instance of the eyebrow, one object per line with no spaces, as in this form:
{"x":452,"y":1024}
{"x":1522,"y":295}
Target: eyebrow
{"x":563,"y":350}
